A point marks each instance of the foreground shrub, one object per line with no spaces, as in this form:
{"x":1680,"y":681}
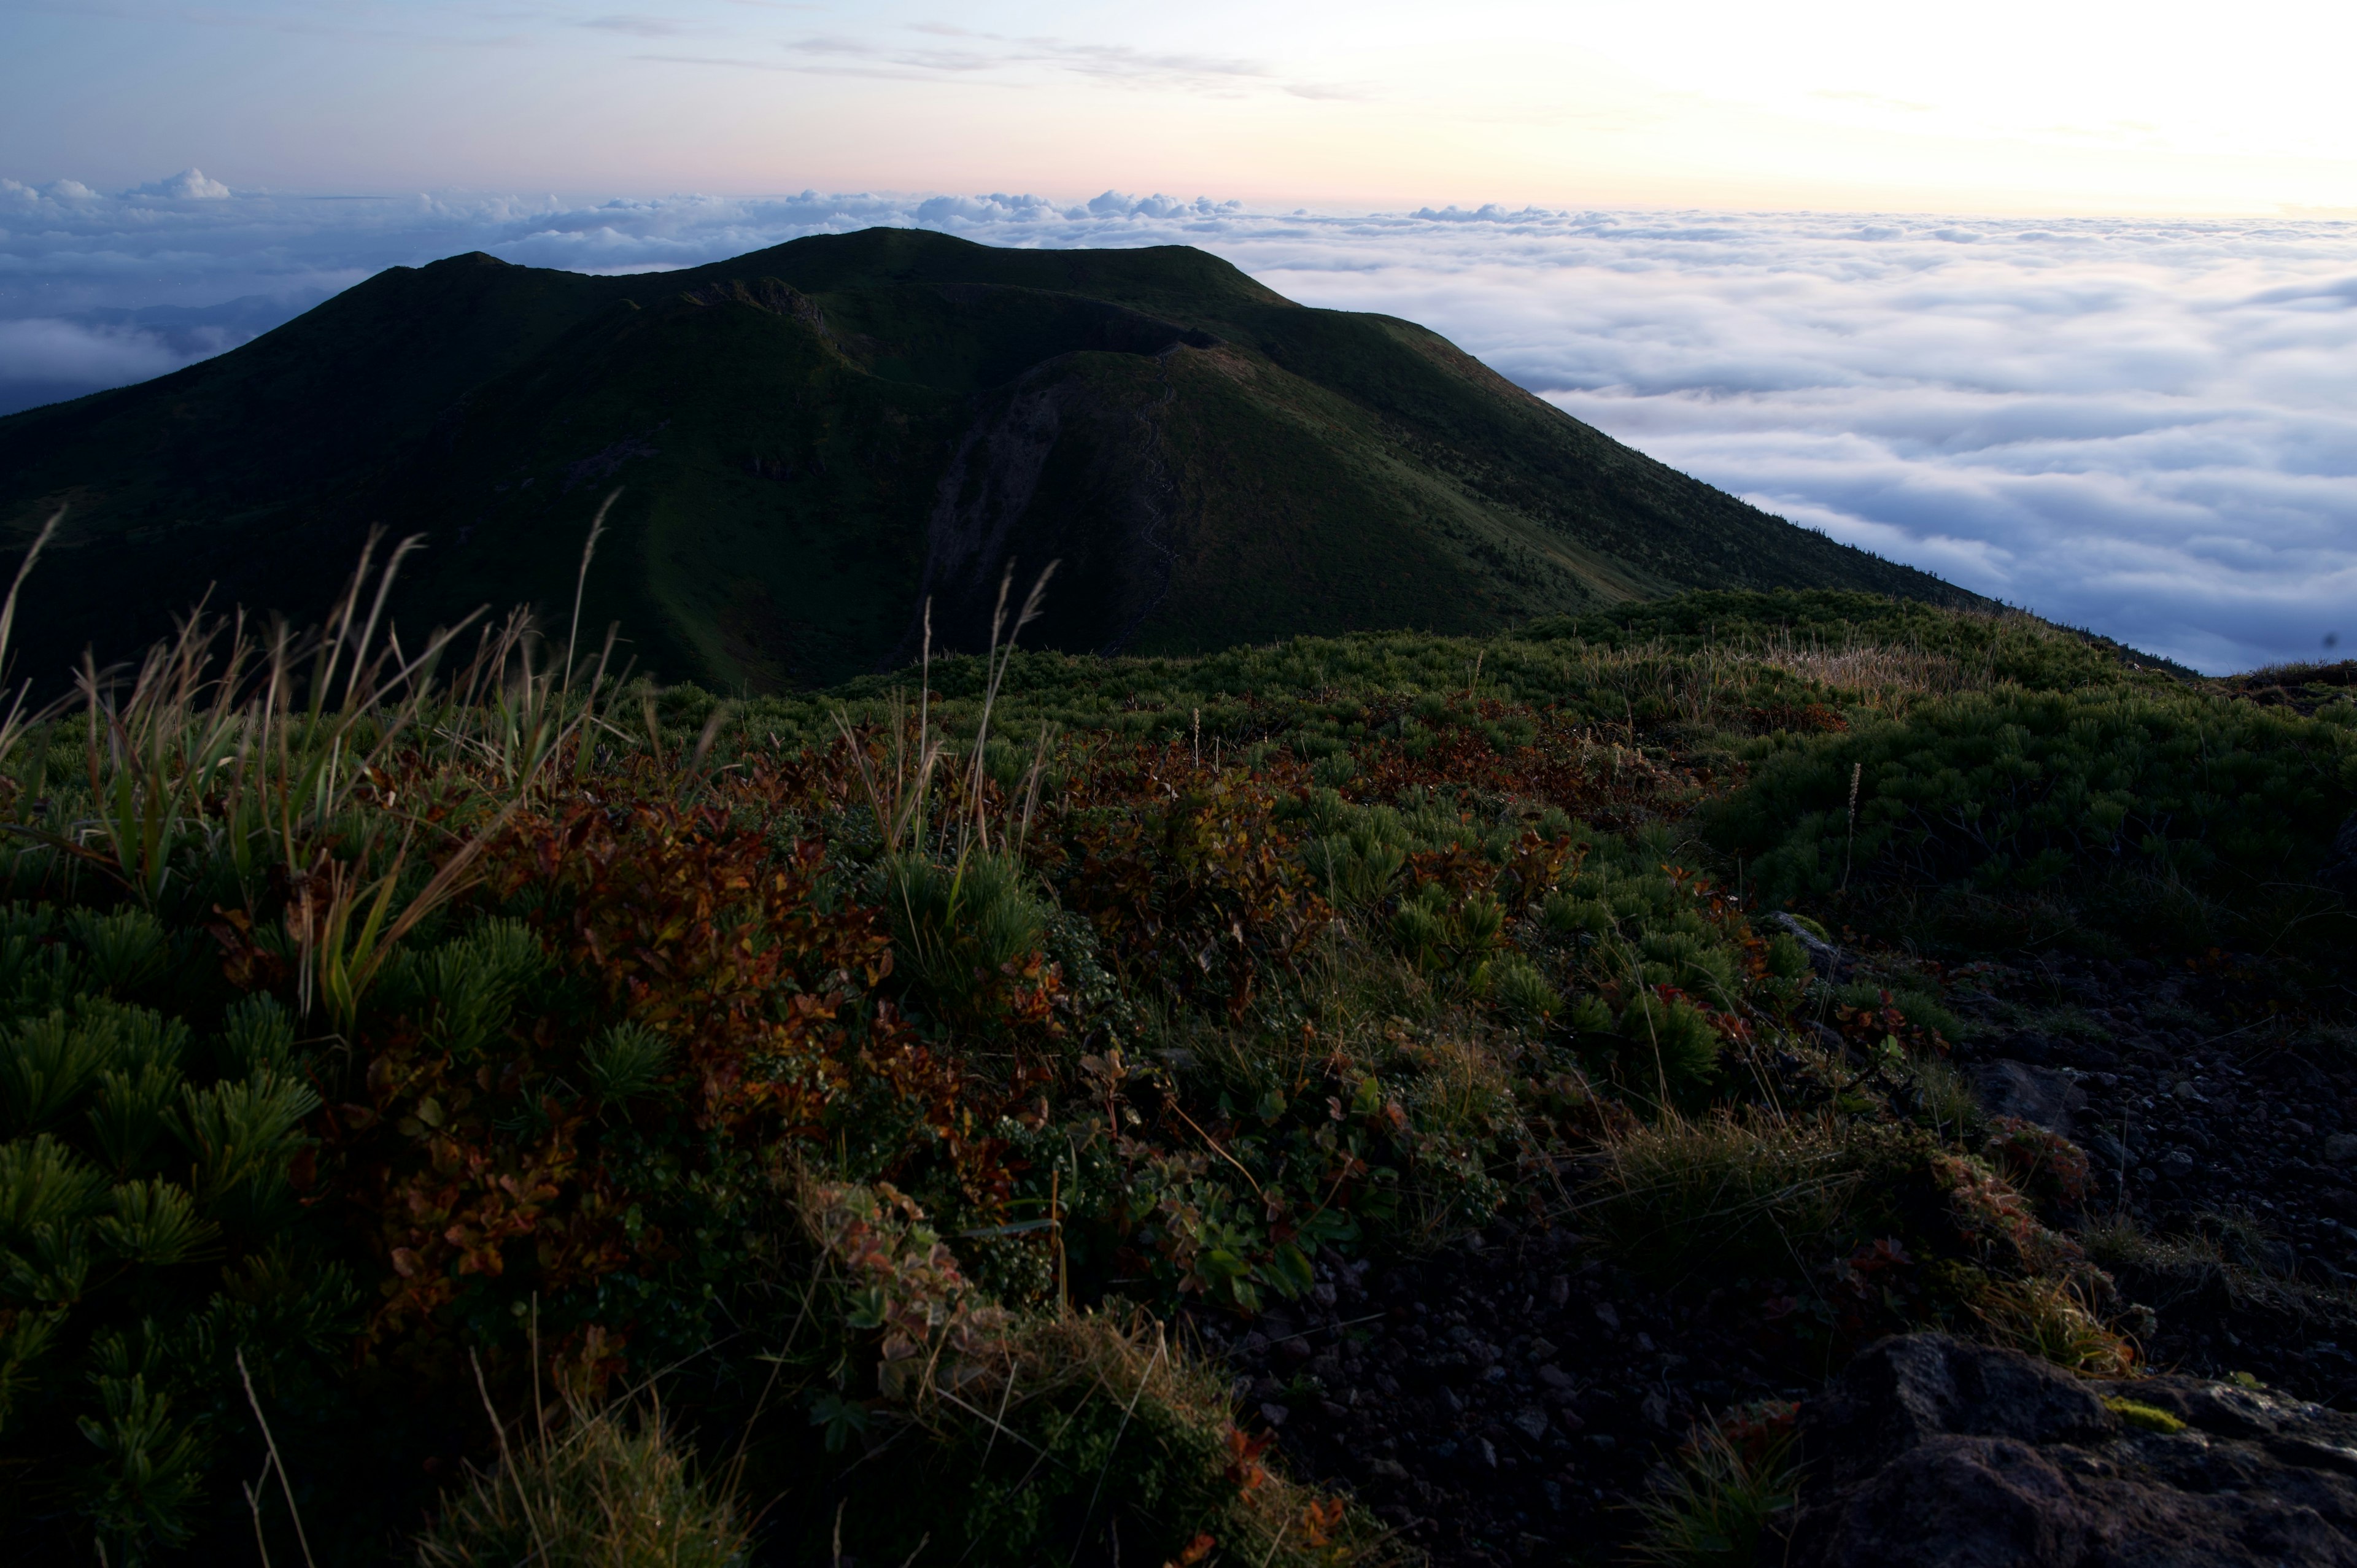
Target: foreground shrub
{"x":1769,"y":1199}
{"x":1046,"y":1438}
{"x":879,"y":1142}
{"x":1849,"y":1229}
{"x":2014,"y":793}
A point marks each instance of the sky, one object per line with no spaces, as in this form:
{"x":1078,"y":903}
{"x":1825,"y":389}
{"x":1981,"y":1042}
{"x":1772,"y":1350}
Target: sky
{"x":2059,"y":300}
{"x":2058,"y":107}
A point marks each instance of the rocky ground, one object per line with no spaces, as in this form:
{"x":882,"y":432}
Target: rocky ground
{"x":1500,"y":1402}
{"x":2223,"y":1122}
{"x":1503,"y":1401}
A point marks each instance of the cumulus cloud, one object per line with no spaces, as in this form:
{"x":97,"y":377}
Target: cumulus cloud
{"x":188,"y":185}
{"x":2149,"y":428}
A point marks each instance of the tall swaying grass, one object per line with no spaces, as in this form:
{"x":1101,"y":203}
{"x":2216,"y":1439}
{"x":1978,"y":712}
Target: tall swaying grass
{"x":367,"y":774}
{"x":962,"y":907}
{"x":20,"y":718}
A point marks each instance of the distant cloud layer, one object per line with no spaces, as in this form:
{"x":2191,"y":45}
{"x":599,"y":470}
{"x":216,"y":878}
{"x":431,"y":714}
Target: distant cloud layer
{"x":2150,"y":428}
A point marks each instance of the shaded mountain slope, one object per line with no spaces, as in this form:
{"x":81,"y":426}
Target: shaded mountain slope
{"x":814,"y":438}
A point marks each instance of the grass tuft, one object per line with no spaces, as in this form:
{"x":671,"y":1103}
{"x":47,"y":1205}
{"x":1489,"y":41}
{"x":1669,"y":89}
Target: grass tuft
{"x":599,"y":1488}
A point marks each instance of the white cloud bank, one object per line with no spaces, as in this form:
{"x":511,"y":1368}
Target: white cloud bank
{"x":2145,"y":427}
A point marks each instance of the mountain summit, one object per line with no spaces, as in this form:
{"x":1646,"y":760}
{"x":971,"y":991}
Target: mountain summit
{"x":814,"y":439}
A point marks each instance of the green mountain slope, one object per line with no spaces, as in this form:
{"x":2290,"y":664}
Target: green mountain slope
{"x":812,"y":440}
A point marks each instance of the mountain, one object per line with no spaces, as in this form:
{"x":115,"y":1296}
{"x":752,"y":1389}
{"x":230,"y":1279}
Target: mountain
{"x":811,"y":440}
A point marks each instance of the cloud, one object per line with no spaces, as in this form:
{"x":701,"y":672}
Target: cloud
{"x":2149,"y":428}
{"x":639,"y":26}
{"x":188,"y":185}
{"x":1006,"y":61}
{"x":54,"y":352}
{"x":48,"y":358}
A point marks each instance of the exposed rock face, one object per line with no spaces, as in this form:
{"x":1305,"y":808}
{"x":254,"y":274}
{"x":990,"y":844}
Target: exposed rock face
{"x":1931,"y":1450}
{"x":1063,"y":465}
{"x":2044,"y":1095}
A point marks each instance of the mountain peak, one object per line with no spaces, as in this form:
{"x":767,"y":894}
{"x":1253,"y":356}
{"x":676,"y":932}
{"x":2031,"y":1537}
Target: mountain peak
{"x":813,"y":439}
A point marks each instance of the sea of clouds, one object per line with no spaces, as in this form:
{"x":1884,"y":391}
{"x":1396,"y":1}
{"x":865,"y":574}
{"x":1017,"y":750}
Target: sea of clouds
{"x":2145,"y":427}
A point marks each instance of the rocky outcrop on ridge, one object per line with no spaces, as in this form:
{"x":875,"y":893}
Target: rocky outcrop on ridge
{"x":1935,"y":1452}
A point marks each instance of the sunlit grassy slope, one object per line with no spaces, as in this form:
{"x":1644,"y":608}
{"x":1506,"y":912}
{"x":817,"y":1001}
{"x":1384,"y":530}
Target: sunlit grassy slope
{"x":812,"y":439}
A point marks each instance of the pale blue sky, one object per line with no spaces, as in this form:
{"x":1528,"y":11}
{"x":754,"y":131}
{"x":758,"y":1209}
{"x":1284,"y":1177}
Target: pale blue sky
{"x":2076,"y":106}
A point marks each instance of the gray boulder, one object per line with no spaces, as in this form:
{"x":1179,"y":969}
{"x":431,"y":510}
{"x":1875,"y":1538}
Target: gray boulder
{"x":2339,"y":871}
{"x":2047,"y":1095}
{"x":1828,"y":961}
{"x":1932,"y":1451}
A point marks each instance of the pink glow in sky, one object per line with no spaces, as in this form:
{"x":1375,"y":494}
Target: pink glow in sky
{"x":2061,"y":106}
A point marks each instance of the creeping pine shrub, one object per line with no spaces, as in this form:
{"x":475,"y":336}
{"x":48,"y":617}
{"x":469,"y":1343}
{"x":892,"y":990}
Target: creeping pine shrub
{"x":1516,"y":985}
{"x":1439,"y":932}
{"x":1917,"y":1007}
{"x":2014,"y":792}
{"x":149,"y":1221}
{"x":1659,"y":1048}
{"x":625,"y":1059}
{"x":1358,"y":867}
{"x":961,"y":932}
{"x":1668,"y":1035}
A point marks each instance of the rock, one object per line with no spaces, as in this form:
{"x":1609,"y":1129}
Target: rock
{"x":2339,"y":871}
{"x":1533,"y":1424}
{"x":2340,"y":1149}
{"x":1823,"y":956}
{"x":1900,"y":1392}
{"x":2039,"y":1094}
{"x":2030,"y":1047}
{"x":1934,"y":1452}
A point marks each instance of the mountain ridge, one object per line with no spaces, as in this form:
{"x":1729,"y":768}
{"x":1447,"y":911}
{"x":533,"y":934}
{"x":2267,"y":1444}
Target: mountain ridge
{"x":813,"y":439}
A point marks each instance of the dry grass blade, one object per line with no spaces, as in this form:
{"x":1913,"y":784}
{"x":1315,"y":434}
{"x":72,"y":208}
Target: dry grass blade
{"x":896,"y":797}
{"x":713,"y":725}
{"x":16,"y":585}
{"x":270,"y":1442}
{"x":996,"y":661}
{"x":581,"y":579}
{"x":20,"y":719}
